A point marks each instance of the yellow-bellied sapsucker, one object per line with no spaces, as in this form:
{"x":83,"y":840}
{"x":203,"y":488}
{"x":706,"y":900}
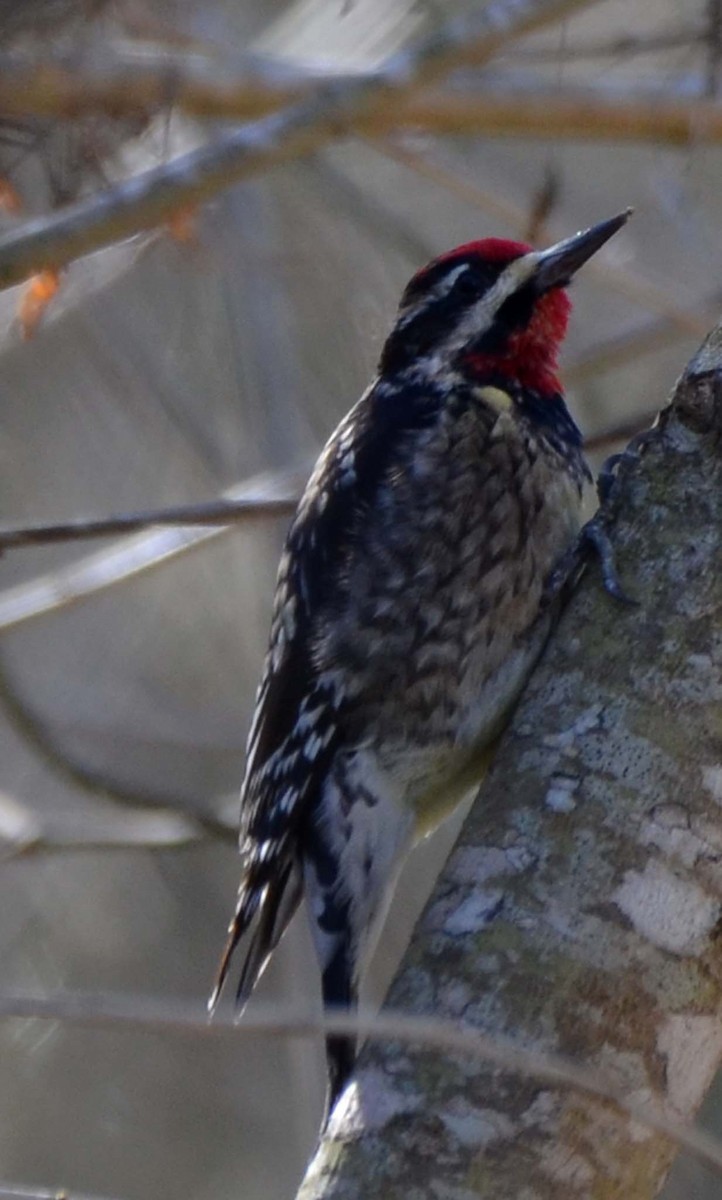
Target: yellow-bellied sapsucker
{"x":408,"y":610}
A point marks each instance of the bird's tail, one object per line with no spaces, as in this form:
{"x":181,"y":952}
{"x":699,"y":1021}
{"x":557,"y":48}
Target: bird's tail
{"x":268,"y":908}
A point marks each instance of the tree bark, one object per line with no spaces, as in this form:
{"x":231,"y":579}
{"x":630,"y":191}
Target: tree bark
{"x":580,"y":911}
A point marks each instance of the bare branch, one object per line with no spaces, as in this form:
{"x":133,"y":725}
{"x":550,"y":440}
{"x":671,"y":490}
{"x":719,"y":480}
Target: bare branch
{"x":131,"y":556}
{"x":137,"y":79}
{"x":134,"y":80}
{"x":212,"y":512}
{"x":146,"y":1013}
{"x":619,"y":47}
{"x":25,"y":831}
{"x":12,"y":1191}
{"x":714,"y":46}
{"x":569,"y":116}
{"x":329,"y":111}
{"x":373,"y":104}
{"x":263,"y":495}
{"x":210,"y":820}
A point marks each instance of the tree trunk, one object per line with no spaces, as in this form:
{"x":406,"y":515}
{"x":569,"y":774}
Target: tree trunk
{"x":580,"y":911}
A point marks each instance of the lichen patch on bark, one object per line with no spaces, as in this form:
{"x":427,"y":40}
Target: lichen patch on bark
{"x":673,"y":913}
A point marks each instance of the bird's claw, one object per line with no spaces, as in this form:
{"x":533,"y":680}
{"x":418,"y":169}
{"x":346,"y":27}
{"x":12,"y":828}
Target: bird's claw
{"x":607,"y":477}
{"x":594,"y":536}
{"x":629,"y":457}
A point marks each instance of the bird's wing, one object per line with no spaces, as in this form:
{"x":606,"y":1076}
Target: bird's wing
{"x":299,"y":710}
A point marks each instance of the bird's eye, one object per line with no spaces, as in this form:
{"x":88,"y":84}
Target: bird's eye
{"x":468,"y":285}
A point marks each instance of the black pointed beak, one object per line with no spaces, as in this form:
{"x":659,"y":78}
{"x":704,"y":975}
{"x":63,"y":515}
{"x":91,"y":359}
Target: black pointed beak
{"x":556,"y":266}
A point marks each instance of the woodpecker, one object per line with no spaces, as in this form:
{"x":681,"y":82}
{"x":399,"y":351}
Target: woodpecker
{"x":410,"y":604}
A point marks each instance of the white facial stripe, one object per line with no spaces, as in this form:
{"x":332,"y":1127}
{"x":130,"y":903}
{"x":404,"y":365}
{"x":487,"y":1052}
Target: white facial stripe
{"x":441,"y":289}
{"x":511,"y":280}
{"x":481,"y":315}
{"x":447,"y":282}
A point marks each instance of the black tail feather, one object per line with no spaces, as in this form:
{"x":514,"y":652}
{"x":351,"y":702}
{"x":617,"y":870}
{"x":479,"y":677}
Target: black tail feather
{"x":339,"y":995}
{"x":272,"y":905}
{"x":279,"y":904}
{"x":341,"y":1059}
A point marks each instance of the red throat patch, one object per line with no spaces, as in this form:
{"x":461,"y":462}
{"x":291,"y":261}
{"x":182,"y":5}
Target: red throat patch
{"x":531,"y":355}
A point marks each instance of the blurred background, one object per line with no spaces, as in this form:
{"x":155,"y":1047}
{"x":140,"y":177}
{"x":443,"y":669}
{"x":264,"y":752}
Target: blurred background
{"x":219,"y":348}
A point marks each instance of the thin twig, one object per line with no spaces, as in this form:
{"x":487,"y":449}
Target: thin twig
{"x":134,"y":80}
{"x":576,"y":116}
{"x":211,"y":512}
{"x":25,"y":833}
{"x":619,"y":47}
{"x":125,"y":80}
{"x":329,"y":111}
{"x":169,"y":1016}
{"x":369,"y":211}
{"x":131,"y":556}
{"x":12,"y":1191}
{"x":219,"y":514}
{"x":713,"y":43}
{"x":543,"y":202}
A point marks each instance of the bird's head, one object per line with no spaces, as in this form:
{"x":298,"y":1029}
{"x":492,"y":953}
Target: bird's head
{"x":493,"y":310}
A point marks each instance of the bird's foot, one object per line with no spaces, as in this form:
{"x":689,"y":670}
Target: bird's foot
{"x":594,"y":537}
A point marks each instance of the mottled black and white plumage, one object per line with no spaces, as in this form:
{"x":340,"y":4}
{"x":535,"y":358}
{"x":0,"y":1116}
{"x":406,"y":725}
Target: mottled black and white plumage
{"x":408,"y":611}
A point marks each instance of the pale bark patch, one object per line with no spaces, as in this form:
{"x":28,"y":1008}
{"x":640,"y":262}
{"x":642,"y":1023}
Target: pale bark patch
{"x":712,"y":780}
{"x":673,"y":913}
{"x":692,"y":1045}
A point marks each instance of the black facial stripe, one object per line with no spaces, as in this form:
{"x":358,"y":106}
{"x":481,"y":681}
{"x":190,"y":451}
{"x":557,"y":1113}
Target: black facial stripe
{"x":439,"y":316}
{"x":483,"y":274}
{"x":515,"y":313}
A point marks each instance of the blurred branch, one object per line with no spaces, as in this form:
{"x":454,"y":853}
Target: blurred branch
{"x":129,"y":82}
{"x":146,"y":1013}
{"x":220,"y":514}
{"x":25,"y":831}
{"x":11,"y":1191}
{"x":130,"y":557}
{"x":339,"y":106}
{"x":207,"y":85}
{"x":267,"y":495}
{"x":133,"y":81}
{"x":90,"y":779}
{"x":576,"y":115}
{"x":212,"y":512}
{"x":328,"y":111}
{"x":369,"y":212}
{"x":620,"y":47}
{"x":714,"y":46}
